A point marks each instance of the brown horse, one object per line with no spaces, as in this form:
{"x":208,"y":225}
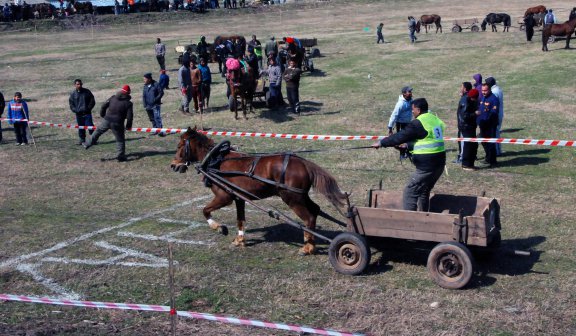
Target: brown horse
{"x":426,"y":20}
{"x":535,"y":10}
{"x":241,"y":86}
{"x":558,"y":29}
{"x":283,"y":174}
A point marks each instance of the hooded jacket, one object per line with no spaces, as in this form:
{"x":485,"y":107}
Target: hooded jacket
{"x":118,"y":108}
{"x":477,"y":82}
{"x":152,"y":95}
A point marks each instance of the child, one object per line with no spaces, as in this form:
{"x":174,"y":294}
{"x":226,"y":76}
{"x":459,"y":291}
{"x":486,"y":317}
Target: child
{"x":18,"y":109}
{"x":164,"y":80}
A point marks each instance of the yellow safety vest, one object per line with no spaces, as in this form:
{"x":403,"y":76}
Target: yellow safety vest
{"x":434,"y":141}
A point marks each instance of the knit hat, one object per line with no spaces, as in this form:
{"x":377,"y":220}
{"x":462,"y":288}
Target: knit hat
{"x":148,"y":75}
{"x":126,"y":89}
{"x":473,"y":93}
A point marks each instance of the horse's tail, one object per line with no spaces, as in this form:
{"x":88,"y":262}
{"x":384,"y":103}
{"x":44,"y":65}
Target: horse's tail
{"x":507,"y":21}
{"x":325,"y":184}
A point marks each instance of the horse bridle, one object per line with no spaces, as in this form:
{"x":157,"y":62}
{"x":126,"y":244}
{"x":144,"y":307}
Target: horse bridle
{"x":187,"y":153}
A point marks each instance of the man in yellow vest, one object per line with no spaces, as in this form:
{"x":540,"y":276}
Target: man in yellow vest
{"x":424,"y":138}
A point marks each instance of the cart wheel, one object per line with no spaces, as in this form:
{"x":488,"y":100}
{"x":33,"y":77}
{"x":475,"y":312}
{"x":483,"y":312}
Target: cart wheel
{"x":522,"y":27}
{"x":349,"y":253}
{"x":551,"y":39}
{"x":314,"y":52}
{"x":232,"y":103}
{"x":311,"y":65}
{"x":475,"y":28}
{"x":450,"y":265}
{"x":456,"y":29}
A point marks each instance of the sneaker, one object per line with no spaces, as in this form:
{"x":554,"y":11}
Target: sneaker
{"x":18,"y":144}
{"x":469,"y":168}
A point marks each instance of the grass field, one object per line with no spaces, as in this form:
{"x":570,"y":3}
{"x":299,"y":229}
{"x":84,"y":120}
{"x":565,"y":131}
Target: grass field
{"x":75,"y":226}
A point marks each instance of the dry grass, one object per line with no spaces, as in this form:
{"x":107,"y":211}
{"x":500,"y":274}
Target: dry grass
{"x":60,"y":191}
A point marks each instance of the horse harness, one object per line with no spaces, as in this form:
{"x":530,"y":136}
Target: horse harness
{"x":217,"y":155}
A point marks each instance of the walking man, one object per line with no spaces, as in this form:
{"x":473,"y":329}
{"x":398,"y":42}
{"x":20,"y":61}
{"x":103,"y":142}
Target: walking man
{"x":412,"y":29}
{"x":160,"y":50}
{"x":115,"y":111}
{"x":402,"y":113}
{"x":152,"y":99}
{"x":423,"y":137}
{"x":81,"y":103}
{"x":379,"y":33}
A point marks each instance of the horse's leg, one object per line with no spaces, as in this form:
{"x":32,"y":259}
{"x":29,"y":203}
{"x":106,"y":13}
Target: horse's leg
{"x":306,"y":210}
{"x":240,"y":222}
{"x":220,"y":200}
{"x":244,"y":107}
{"x":568,"y":40}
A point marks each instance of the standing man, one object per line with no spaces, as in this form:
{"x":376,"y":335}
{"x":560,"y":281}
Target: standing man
{"x":292,"y":77}
{"x":152,"y":99}
{"x":160,"y":50}
{"x":497,"y":91}
{"x":202,"y":49}
{"x":220,"y":50}
{"x":2,"y":106}
{"x":185,"y":84}
{"x":206,"y":82}
{"x":402,"y":113}
{"x":18,"y":109}
{"x":115,"y":111}
{"x":462,"y":105}
{"x":195,"y":84}
{"x":487,"y":120}
{"x":467,"y":129}
{"x":379,"y":35}
{"x":549,"y":18}
{"x":257,"y":47}
{"x":529,"y":24}
{"x":81,"y":103}
{"x":412,"y":29}
{"x":271,"y":48}
{"x":424,"y":136}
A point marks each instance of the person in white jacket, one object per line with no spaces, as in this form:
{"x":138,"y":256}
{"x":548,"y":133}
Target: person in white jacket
{"x":497,"y":91}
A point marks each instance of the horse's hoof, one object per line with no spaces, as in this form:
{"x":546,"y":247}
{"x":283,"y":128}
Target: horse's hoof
{"x":223,"y":229}
{"x":239,"y":242}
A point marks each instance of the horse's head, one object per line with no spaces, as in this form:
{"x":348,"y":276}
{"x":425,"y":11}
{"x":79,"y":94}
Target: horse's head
{"x":483,"y":25}
{"x":418,"y":24}
{"x":192,"y":147}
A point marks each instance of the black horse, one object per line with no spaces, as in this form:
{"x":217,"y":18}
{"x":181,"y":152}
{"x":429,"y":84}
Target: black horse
{"x":494,"y":18}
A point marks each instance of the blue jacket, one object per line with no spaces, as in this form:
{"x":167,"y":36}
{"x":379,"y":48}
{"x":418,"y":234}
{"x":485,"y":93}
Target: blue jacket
{"x":402,"y":112}
{"x":206,"y":75}
{"x":152,"y":95}
{"x":17,"y":111}
{"x":164,"y":81}
{"x":488,"y":107}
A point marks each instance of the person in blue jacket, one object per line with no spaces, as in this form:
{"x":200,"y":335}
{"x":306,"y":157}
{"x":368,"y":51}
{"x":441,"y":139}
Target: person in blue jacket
{"x":206,"y":82}
{"x":487,"y":119}
{"x":164,"y":80}
{"x":18,"y":109}
{"x":402,"y":113}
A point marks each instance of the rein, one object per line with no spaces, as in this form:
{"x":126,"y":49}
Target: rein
{"x":313,"y":151}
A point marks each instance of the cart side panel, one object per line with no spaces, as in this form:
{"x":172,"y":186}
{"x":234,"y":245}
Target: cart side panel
{"x":406,"y":224}
{"x":477,"y":233}
{"x":386,"y":199}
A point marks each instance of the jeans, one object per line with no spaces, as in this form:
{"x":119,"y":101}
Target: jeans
{"x":155,"y":116}
{"x":417,"y":191}
{"x":380,"y":38}
{"x":20,"y":130}
{"x":161,"y":62}
{"x":84,"y":120}
{"x":186,"y":99}
{"x":413,"y":36}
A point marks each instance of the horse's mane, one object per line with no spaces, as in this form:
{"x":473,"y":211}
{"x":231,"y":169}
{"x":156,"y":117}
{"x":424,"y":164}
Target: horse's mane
{"x":203,"y":141}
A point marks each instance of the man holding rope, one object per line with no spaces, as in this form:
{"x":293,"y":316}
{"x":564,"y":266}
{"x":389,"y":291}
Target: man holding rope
{"x":424,"y":138}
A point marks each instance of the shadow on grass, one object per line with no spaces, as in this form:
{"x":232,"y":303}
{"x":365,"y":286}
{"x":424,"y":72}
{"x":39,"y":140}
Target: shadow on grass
{"x":135,"y":156}
{"x":511,"y":130}
{"x":523,"y":158}
{"x":317,"y":73}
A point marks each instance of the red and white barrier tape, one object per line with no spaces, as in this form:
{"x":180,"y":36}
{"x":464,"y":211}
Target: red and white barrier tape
{"x":155,"y":308}
{"x":533,"y":142}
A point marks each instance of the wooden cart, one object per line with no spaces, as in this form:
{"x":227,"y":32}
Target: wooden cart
{"x":460,"y":24}
{"x":454,"y":222}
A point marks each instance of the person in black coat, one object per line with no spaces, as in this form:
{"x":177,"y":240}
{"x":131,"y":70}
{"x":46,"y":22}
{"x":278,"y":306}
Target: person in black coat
{"x":467,"y":128}
{"x":529,"y":23}
{"x":81,"y":103}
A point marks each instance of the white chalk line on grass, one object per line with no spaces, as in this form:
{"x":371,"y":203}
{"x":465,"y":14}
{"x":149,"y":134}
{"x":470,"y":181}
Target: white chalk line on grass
{"x":66,"y":243}
{"x":47,"y":282}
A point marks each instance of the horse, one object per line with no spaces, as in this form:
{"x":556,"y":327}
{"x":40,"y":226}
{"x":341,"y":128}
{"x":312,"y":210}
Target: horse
{"x":494,"y":18}
{"x":535,"y":10}
{"x":428,"y":20}
{"x":241,"y":85}
{"x":257,"y":177}
{"x":558,"y":29}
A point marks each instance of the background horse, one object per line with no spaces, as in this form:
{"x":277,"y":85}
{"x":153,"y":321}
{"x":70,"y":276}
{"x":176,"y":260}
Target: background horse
{"x":535,"y":10}
{"x":289,"y":176}
{"x":494,"y":18}
{"x":558,"y":29}
{"x":242,"y":85}
{"x":428,"y":20}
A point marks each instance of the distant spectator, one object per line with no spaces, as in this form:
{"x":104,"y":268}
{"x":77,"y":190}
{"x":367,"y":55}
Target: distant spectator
{"x":572,"y":14}
{"x":275,"y":82}
{"x":412,"y":29}
{"x":196,"y":82}
{"x":202,"y":49}
{"x":160,"y":50}
{"x":549,"y":18}
{"x":462,"y":104}
{"x":292,"y":77}
{"x":477,"y":82}
{"x":2,"y":106}
{"x":152,"y":99}
{"x":497,"y":91}
{"x":164,"y":80}
{"x":379,"y":35}
{"x":467,"y":129}
{"x":81,"y":103}
{"x":18,"y":109}
{"x":206,"y":82}
{"x":529,"y":24}
{"x":257,"y":46}
{"x":184,"y":82}
{"x":271,"y":47}
{"x":220,"y":51}
{"x":487,"y":120}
